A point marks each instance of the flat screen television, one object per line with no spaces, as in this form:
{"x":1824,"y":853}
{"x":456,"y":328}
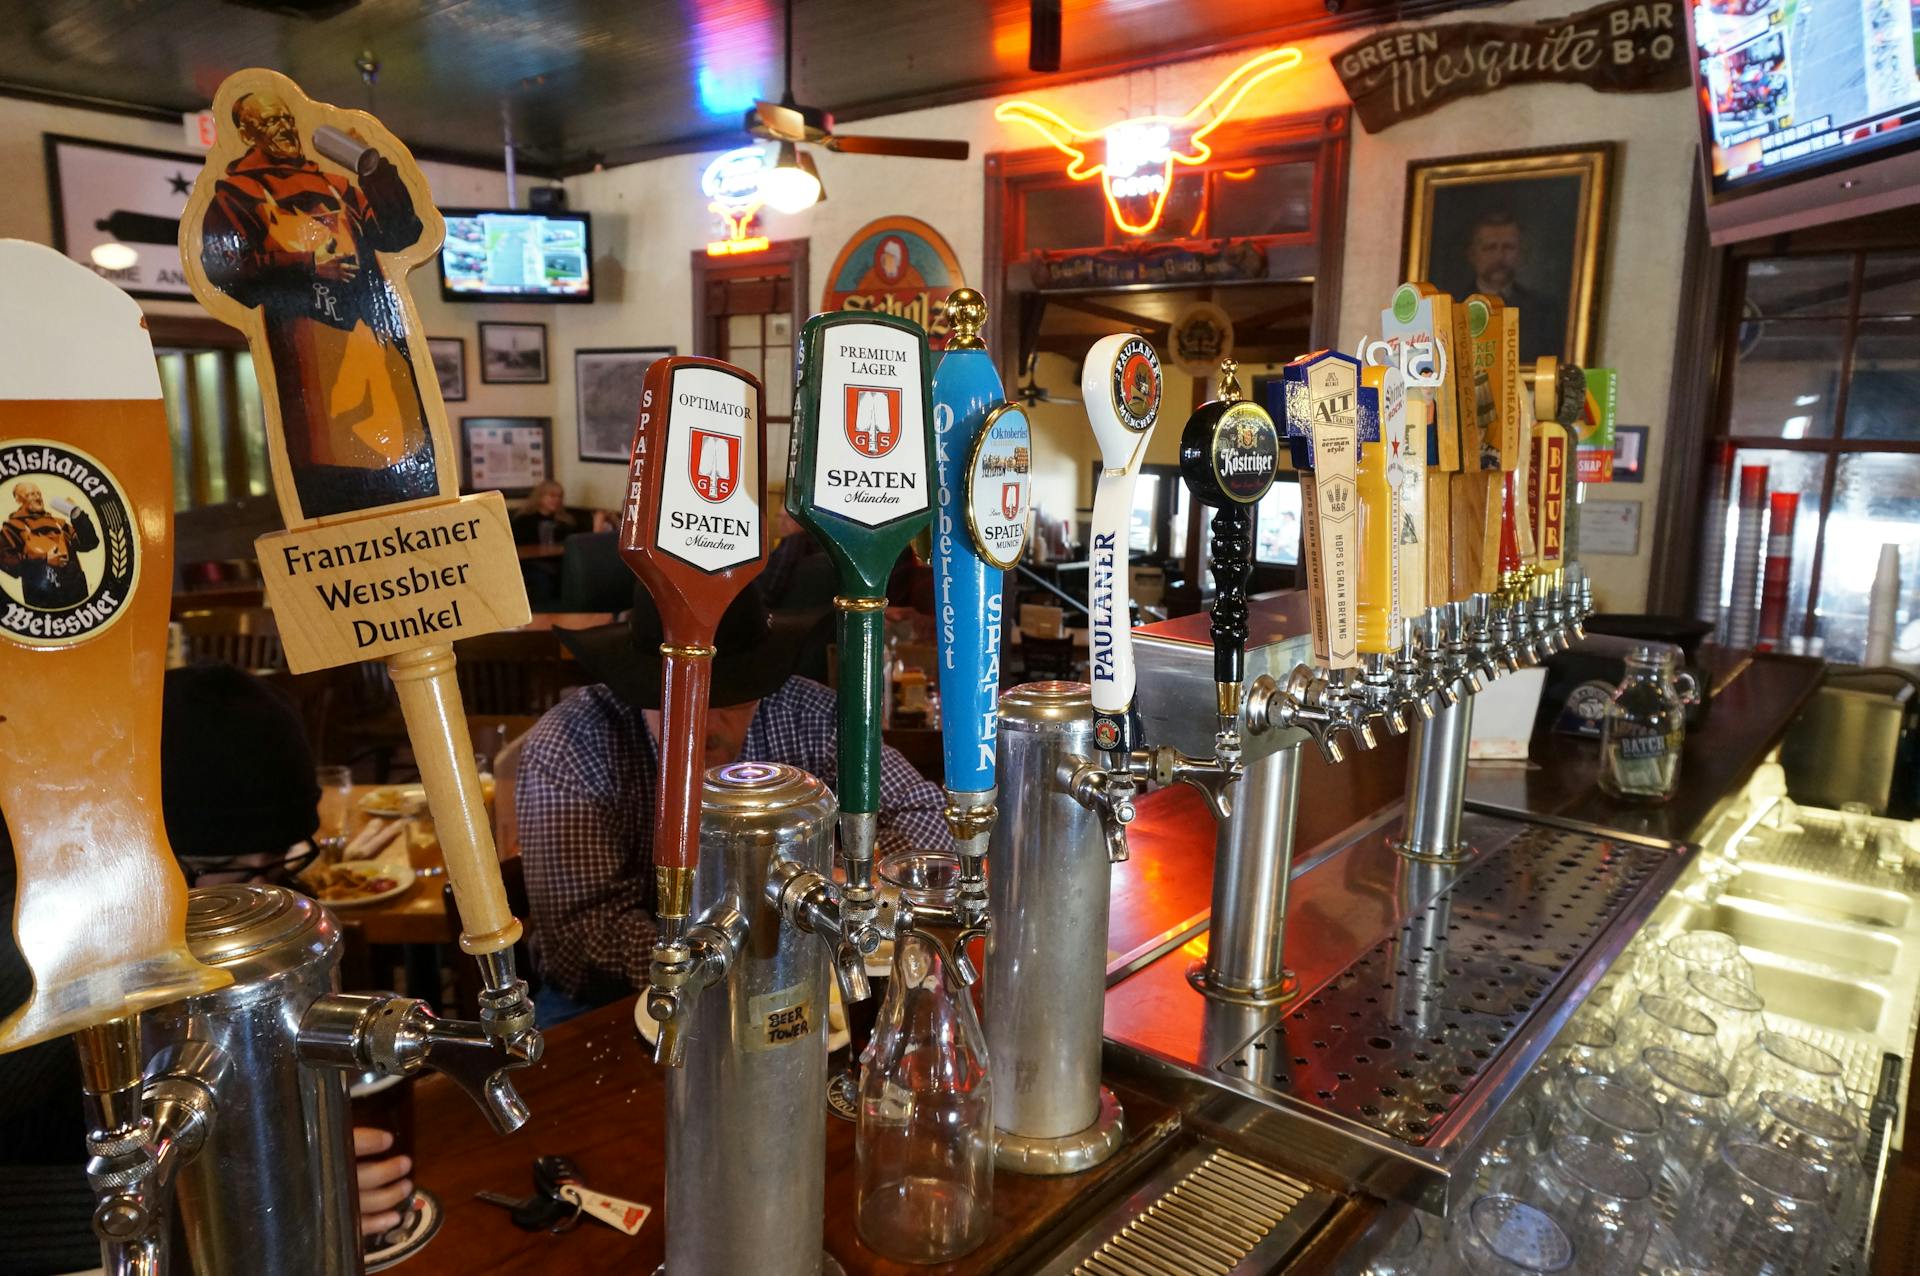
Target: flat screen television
{"x":1809,"y":110}
{"x":503,"y":254}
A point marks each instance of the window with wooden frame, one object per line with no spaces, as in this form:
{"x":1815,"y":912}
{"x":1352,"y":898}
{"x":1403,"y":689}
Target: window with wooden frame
{"x":214,"y":414}
{"x":1820,"y":383}
{"x":747,"y":310}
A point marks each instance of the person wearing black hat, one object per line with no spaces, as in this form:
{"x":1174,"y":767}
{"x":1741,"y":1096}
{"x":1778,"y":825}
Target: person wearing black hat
{"x":589,"y":775}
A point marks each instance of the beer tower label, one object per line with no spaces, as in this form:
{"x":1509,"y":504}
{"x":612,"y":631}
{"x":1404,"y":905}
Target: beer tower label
{"x":999,"y":478}
{"x":69,"y":557}
{"x":1136,"y":385}
{"x":1245,"y":453}
{"x":709,"y":515}
{"x":870,"y":460}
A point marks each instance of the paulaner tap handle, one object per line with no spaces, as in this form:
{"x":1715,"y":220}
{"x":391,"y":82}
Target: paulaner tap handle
{"x":1120,"y":385}
{"x":692,"y":529}
{"x":983,"y":449}
{"x":1229,"y":452}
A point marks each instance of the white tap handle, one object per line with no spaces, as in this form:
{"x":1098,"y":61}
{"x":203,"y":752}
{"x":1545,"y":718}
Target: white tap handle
{"x":1120,"y":386}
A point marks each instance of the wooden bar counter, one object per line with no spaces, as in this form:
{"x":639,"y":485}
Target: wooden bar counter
{"x":598,"y":1098}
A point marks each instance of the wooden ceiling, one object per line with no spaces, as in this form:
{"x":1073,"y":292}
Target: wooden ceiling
{"x":612,"y":81}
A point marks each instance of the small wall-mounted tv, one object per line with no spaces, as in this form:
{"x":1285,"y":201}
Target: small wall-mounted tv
{"x":1809,"y":112}
{"x":503,"y":254}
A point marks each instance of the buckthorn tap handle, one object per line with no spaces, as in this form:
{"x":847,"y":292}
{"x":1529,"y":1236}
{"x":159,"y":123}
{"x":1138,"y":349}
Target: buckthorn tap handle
{"x":984,"y":460}
{"x":860,"y":479}
{"x":1120,"y":384}
{"x":1322,"y":396}
{"x":1229,"y":452}
{"x":86,"y":568}
{"x":693,"y":530}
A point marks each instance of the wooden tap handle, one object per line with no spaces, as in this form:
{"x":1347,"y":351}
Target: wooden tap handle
{"x":1322,"y":393}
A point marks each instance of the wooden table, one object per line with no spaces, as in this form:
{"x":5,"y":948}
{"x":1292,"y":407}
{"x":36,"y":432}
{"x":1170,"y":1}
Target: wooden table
{"x":598,"y":1097}
{"x":418,"y":915}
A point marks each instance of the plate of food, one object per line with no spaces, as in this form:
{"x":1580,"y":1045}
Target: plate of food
{"x":360,"y":882}
{"x":836,"y":1018}
{"x":393,"y":800}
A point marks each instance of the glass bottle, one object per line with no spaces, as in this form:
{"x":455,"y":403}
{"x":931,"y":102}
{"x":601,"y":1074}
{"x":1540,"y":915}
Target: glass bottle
{"x":924,"y":1143}
{"x":1645,"y":727}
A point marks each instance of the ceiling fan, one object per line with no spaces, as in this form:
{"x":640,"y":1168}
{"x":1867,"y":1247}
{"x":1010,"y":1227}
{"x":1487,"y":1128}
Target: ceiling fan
{"x":792,"y":124}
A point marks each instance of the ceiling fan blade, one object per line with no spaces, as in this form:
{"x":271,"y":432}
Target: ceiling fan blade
{"x":782,"y":123}
{"x":1043,"y":35}
{"x":912,"y":147}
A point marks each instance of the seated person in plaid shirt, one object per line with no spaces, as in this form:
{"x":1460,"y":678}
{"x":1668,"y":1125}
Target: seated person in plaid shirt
{"x":589,"y":780}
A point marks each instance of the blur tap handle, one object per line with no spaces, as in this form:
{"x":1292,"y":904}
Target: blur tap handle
{"x":859,"y":479}
{"x":984,"y":462}
{"x":693,"y":530}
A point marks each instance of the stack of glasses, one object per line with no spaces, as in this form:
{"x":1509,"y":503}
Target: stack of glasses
{"x":1669,"y":1129}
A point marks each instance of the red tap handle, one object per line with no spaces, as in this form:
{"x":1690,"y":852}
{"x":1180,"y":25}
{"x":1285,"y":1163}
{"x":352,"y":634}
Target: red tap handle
{"x":1509,"y":531}
{"x":694,"y":532}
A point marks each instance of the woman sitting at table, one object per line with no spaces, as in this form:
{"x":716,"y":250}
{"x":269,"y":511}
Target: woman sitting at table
{"x":586,"y":790}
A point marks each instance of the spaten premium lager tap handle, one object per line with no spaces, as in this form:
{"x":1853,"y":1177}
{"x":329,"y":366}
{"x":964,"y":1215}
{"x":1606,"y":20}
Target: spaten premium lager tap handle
{"x":1120,"y":385}
{"x":1229,"y":452}
{"x":693,"y":530}
{"x":859,"y":477}
{"x":983,"y":448}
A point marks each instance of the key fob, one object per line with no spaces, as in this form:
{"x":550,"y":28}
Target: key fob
{"x":550,"y":1173}
{"x":540,"y":1213}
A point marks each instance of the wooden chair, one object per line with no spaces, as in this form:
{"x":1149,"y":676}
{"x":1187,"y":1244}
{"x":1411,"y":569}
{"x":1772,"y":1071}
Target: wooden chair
{"x":520,"y":672}
{"x":248,"y":637}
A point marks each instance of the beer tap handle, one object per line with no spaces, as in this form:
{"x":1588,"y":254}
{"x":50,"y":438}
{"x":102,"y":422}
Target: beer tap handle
{"x":984,"y":461}
{"x":860,"y":479}
{"x":1321,"y":396}
{"x":1229,"y":453}
{"x":1120,"y":385}
{"x":693,"y":531}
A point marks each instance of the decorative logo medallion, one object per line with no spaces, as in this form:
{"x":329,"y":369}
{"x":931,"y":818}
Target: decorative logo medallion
{"x":1136,"y":384}
{"x":998,"y":473}
{"x":873,"y":418}
{"x":714,"y":465}
{"x":69,"y":553}
{"x":1246,"y":452}
{"x":1106,"y":733}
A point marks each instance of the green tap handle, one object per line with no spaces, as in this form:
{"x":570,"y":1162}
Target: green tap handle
{"x":859,"y":478}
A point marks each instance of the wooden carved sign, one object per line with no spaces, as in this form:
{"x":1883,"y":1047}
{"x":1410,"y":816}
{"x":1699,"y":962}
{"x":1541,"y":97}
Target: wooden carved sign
{"x":1631,"y":46}
{"x":86,"y":567}
{"x":301,"y":231}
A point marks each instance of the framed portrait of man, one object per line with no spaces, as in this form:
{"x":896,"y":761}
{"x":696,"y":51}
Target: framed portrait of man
{"x":1528,"y":227}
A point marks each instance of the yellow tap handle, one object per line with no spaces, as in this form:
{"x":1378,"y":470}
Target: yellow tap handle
{"x":1378,"y":605}
{"x":1410,"y":536}
{"x":1437,"y":539}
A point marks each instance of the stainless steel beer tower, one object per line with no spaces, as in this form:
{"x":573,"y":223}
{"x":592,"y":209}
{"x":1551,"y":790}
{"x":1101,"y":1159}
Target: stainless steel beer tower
{"x":1047,"y":952}
{"x":746,"y":1125}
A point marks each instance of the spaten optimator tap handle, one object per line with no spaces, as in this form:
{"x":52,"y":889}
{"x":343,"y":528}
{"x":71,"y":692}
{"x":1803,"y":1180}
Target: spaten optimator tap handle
{"x":1322,"y":393}
{"x":86,"y":567}
{"x":984,"y":464}
{"x":1120,"y":385}
{"x":693,"y":530}
{"x":1229,"y":453}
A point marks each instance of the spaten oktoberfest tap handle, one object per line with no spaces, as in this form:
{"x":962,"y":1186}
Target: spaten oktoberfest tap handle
{"x":1120,"y":385}
{"x":86,"y":568}
{"x":693,"y":530}
{"x":983,"y":447}
{"x":859,"y":478}
{"x":1229,"y":453}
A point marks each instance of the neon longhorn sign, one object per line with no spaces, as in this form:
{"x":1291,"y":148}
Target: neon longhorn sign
{"x":732,"y":187}
{"x":1135,"y":158}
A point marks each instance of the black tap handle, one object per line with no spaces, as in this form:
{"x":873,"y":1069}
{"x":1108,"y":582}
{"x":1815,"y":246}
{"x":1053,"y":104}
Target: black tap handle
{"x":1232,"y":564}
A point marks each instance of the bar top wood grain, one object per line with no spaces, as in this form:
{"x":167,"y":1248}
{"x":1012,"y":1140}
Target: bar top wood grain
{"x":598,"y":1098}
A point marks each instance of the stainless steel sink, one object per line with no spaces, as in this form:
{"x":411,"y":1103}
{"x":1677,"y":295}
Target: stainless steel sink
{"x":1811,"y":996}
{"x":1816,"y":895}
{"x":1790,"y":932}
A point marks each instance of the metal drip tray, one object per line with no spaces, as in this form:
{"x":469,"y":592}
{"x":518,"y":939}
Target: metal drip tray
{"x":1397,"y":1040}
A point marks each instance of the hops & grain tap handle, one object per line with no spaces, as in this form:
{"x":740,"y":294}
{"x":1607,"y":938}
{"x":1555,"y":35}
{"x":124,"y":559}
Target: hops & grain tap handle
{"x":693,"y":530}
{"x":859,"y":477}
{"x":983,"y":447}
{"x":300,"y":232}
{"x":1229,"y":453}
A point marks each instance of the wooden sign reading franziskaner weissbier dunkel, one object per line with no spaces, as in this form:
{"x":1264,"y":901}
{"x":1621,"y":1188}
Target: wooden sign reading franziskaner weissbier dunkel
{"x":300,"y":232}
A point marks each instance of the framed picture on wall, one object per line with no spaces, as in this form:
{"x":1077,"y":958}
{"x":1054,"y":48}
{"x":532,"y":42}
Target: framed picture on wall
{"x":117,"y":209}
{"x":1526,"y":226}
{"x":513,"y":353}
{"x":508,"y":454}
{"x":606,"y":394}
{"x":449,"y":356}
{"x":1629,"y":453}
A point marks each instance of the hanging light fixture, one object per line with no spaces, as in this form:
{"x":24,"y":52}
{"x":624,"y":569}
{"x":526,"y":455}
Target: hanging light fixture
{"x":793,"y":183}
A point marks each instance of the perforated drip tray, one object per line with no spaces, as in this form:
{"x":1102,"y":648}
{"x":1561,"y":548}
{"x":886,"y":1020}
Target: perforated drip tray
{"x":1405,"y":1033}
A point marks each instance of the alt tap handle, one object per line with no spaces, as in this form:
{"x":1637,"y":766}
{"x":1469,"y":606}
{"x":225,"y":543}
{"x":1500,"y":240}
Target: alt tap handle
{"x":1229,"y":452}
{"x":1321,"y":393}
{"x":859,"y":479}
{"x":1120,"y":385}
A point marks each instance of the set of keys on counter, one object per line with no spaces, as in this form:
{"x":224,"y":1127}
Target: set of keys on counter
{"x":560,"y":1199}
